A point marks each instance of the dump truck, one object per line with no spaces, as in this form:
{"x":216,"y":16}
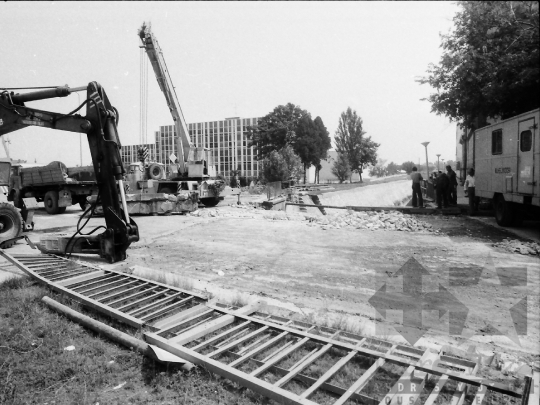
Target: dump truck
{"x":506,"y":159}
{"x":56,"y":185}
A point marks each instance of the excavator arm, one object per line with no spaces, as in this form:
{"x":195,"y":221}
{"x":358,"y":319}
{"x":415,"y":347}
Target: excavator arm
{"x":100,"y":125}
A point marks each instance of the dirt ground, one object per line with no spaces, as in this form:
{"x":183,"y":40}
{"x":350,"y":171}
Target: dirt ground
{"x":329,"y":275}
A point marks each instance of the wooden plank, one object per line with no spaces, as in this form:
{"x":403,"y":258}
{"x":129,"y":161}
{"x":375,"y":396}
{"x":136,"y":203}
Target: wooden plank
{"x":246,"y":380}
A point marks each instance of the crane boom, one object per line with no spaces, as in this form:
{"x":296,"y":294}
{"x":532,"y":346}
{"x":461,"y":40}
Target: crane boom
{"x":155,"y":54}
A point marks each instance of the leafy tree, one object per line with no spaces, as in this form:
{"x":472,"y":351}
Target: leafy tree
{"x":407,"y":166}
{"x":379,"y":169}
{"x":324,"y":143}
{"x":360,"y":150}
{"x":276,"y":129}
{"x":281,"y":165}
{"x":392,"y":168}
{"x":490,"y":65}
{"x":341,"y":168}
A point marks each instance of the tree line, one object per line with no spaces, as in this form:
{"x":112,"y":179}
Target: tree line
{"x":288,"y":141}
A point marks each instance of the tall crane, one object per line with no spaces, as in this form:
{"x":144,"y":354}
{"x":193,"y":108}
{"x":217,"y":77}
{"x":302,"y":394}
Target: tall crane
{"x":193,"y":162}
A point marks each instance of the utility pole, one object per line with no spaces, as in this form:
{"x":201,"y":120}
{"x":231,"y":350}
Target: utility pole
{"x":427,"y":164}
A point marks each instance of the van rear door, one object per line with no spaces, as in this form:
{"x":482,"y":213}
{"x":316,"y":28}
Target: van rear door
{"x":525,"y":173}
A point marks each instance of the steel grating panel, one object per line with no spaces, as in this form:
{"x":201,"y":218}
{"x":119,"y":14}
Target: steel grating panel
{"x":298,"y":363}
{"x":128,"y":298}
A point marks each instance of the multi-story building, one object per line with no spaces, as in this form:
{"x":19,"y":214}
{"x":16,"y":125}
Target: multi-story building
{"x":227,"y":141}
{"x":129,"y":152}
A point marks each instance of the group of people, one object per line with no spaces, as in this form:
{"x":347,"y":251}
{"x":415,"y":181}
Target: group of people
{"x":445,"y":185}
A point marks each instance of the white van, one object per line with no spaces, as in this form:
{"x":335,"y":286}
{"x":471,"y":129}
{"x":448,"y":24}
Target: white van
{"x":505,"y":157}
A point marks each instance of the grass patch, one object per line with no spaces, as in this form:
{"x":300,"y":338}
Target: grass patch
{"x":35,"y":368}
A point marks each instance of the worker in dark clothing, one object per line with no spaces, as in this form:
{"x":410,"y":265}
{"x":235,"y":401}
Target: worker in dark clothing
{"x":441,"y":188}
{"x":417,"y":190}
{"x":452,"y":187}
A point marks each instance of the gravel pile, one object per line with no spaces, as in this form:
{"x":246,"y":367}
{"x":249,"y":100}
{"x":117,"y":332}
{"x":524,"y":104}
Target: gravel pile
{"x":371,"y":220}
{"x":516,"y":246}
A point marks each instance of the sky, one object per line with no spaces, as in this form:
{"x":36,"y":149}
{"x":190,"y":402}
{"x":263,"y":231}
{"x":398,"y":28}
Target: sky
{"x":233,"y":59}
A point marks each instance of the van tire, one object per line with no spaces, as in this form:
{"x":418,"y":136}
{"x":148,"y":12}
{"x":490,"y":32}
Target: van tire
{"x":51,"y":202}
{"x":504,"y":211}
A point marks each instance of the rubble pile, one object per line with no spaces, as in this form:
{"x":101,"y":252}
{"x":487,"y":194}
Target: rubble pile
{"x":517,"y":246}
{"x":370,"y":220}
{"x":373,"y":220}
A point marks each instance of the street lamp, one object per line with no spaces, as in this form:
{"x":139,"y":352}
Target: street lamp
{"x":427,"y":164}
{"x":438,"y":161}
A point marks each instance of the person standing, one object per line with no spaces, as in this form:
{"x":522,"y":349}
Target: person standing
{"x":470,"y":187}
{"x":417,"y":190}
{"x":452,"y":187}
{"x":442,"y":184}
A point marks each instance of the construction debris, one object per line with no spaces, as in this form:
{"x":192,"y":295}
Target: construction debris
{"x":370,"y":220}
{"x":517,"y":246}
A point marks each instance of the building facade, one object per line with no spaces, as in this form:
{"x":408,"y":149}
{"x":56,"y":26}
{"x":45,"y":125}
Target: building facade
{"x":227,"y":141}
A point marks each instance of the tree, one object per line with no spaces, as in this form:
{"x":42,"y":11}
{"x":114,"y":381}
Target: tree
{"x":392,"y":168}
{"x":281,"y":165}
{"x":341,"y":168}
{"x":324,"y":143}
{"x":407,"y":166}
{"x":379,"y":169}
{"x":490,"y":65}
{"x":276,"y":129}
{"x":312,"y":142}
{"x":360,"y":150}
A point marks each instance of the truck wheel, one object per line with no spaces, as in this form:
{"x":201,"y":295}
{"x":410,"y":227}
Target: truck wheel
{"x":155,"y":172}
{"x":51,"y":202}
{"x":11,"y":223}
{"x":61,"y":210}
{"x":165,"y":190}
{"x":503,"y":211}
{"x":83,"y":204}
{"x":517,"y":210}
{"x":210,"y":201}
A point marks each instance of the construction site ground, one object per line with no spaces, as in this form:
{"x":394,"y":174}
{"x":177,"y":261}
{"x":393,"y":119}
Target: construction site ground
{"x":326,"y":275}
